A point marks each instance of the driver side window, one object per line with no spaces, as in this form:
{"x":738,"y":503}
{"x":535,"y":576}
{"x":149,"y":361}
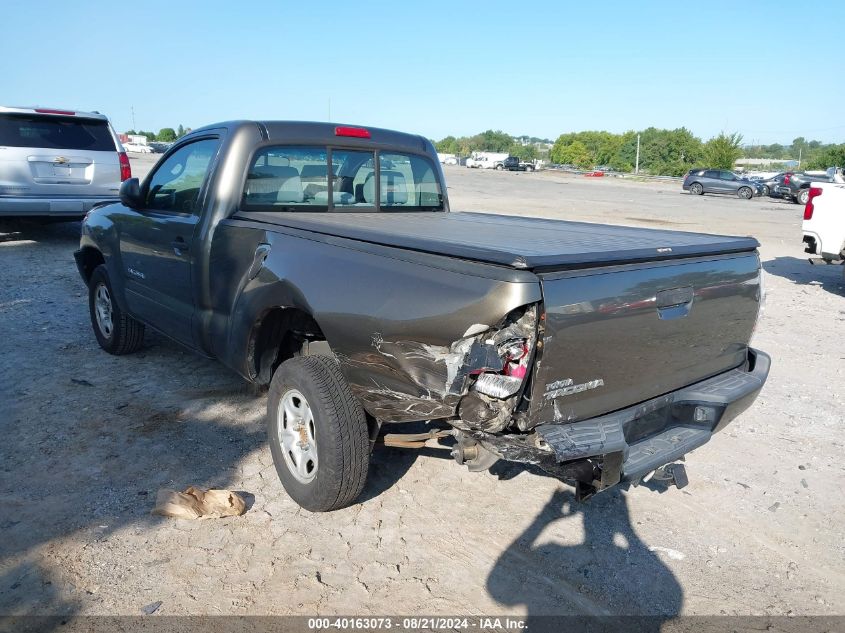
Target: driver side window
{"x":176,"y":183}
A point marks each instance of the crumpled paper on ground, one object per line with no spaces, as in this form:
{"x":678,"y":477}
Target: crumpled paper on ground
{"x":197,"y":503}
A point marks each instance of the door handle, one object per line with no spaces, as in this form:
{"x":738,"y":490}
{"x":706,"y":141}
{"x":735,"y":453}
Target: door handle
{"x":179,"y":245}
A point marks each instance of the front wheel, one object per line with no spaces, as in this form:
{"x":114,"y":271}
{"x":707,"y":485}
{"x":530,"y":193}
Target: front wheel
{"x":318,"y":435}
{"x":765,"y":190}
{"x":745,"y":193}
{"x":116,"y":332}
{"x":803,"y":196}
{"x":696,"y":189}
{"x":529,"y":168}
{"x":499,"y":167}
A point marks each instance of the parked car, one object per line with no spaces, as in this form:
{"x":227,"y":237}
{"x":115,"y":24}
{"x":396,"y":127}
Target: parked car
{"x":138,"y":148}
{"x":512,"y":163}
{"x":57,"y":163}
{"x":159,"y":147}
{"x":769,"y":185}
{"x":600,"y":353}
{"x":701,"y":181}
{"x":451,"y":160}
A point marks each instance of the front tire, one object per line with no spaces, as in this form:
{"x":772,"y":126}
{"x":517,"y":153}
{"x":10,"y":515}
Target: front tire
{"x":499,"y":167}
{"x":745,"y":193}
{"x":116,"y":332}
{"x":696,"y":189}
{"x":318,"y":435}
{"x":765,"y":190}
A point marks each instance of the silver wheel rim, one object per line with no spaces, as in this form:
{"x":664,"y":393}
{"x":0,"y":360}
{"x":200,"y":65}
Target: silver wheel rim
{"x":103,"y":310}
{"x":802,"y":197}
{"x":696,"y":189}
{"x":745,"y":193}
{"x":297,"y":436}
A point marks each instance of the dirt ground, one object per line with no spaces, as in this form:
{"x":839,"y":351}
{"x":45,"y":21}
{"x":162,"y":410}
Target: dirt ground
{"x":89,"y":438}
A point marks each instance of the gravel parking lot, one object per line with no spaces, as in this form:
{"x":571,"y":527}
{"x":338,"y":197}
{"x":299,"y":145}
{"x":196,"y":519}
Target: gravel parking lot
{"x":89,"y":439}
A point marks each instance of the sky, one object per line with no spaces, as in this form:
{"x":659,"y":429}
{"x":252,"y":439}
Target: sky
{"x":437,"y":68}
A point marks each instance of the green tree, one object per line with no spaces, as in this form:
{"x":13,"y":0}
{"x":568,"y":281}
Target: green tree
{"x":829,"y":156}
{"x":167,"y":134}
{"x":180,"y":131}
{"x":723,"y":150}
{"x":523,"y":152}
{"x":575,"y":153}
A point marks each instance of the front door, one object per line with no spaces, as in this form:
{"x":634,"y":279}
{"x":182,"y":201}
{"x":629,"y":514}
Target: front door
{"x":157,"y":241}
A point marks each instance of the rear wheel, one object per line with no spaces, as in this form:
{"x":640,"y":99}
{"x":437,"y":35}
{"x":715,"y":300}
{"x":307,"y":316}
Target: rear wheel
{"x":745,"y":193}
{"x":318,"y":435}
{"x":803,"y":196}
{"x":696,"y":189}
{"x":529,"y":168}
{"x":500,"y":167}
{"x":116,"y":332}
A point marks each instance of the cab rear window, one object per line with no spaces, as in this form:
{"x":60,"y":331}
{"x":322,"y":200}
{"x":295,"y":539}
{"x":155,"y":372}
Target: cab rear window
{"x":304,"y":178}
{"x":55,"y":132}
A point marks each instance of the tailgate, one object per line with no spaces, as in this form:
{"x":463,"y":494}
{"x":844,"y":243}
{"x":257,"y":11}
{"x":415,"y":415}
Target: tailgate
{"x":618,"y":336}
{"x":57,"y":156}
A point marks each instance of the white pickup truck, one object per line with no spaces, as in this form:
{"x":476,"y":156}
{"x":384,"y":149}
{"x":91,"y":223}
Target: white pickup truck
{"x":824,"y":222}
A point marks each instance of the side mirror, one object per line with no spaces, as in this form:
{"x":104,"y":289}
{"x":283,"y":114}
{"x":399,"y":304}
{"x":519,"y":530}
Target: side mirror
{"x":130,"y":193}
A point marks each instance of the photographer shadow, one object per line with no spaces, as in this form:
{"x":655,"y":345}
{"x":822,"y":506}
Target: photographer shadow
{"x":609,"y":581}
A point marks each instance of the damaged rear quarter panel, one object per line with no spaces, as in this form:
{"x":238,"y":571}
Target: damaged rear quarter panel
{"x":396,"y":320}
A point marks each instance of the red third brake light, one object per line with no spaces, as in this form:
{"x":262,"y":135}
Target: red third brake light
{"x":355,"y":132}
{"x":125,"y":167}
{"x":50,"y":111}
{"x":786,"y":179}
{"x":809,"y":208}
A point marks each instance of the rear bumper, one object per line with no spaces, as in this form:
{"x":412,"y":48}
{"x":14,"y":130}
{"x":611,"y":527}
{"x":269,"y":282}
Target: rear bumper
{"x":627,"y":444}
{"x":38,"y":207}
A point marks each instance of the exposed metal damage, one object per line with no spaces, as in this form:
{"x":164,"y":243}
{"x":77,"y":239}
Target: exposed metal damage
{"x":475,"y":382}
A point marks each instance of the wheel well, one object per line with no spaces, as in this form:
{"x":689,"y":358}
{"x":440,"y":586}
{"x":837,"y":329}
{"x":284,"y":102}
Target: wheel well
{"x":279,"y":334}
{"x":90,"y":259}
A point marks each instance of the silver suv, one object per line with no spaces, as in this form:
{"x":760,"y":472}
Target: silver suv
{"x":57,"y":162}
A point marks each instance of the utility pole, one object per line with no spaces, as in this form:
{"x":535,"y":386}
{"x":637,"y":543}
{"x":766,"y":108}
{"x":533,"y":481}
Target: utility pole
{"x":799,"y":156}
{"x":637,"y":167}
{"x":132,"y":110}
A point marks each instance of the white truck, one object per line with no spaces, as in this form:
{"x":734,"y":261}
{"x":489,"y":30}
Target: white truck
{"x":824,"y":222}
{"x":486,"y":160}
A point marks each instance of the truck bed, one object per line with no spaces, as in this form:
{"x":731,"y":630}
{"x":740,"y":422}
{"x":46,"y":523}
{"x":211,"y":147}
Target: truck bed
{"x":516,"y":241}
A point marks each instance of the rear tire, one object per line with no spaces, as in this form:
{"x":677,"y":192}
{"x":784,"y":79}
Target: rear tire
{"x":745,"y":193}
{"x":696,"y":189}
{"x":318,"y":434}
{"x":116,"y":332}
{"x":529,"y":168}
{"x":499,"y":167}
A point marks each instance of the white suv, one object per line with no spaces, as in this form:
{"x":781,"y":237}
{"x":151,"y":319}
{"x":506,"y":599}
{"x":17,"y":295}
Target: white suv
{"x":57,"y":162}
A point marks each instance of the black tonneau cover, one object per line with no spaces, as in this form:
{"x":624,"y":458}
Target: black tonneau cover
{"x":516,"y":241}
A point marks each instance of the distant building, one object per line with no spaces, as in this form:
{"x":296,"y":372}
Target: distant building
{"x":760,"y":162}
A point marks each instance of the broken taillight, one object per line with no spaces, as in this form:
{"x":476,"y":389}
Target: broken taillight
{"x":513,"y":343}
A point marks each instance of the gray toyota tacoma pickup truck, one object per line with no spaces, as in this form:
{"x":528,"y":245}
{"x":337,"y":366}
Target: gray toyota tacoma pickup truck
{"x":324,"y":261}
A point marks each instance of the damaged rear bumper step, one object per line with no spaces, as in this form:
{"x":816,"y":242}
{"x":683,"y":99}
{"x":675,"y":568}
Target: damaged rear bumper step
{"x":632,"y":442}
